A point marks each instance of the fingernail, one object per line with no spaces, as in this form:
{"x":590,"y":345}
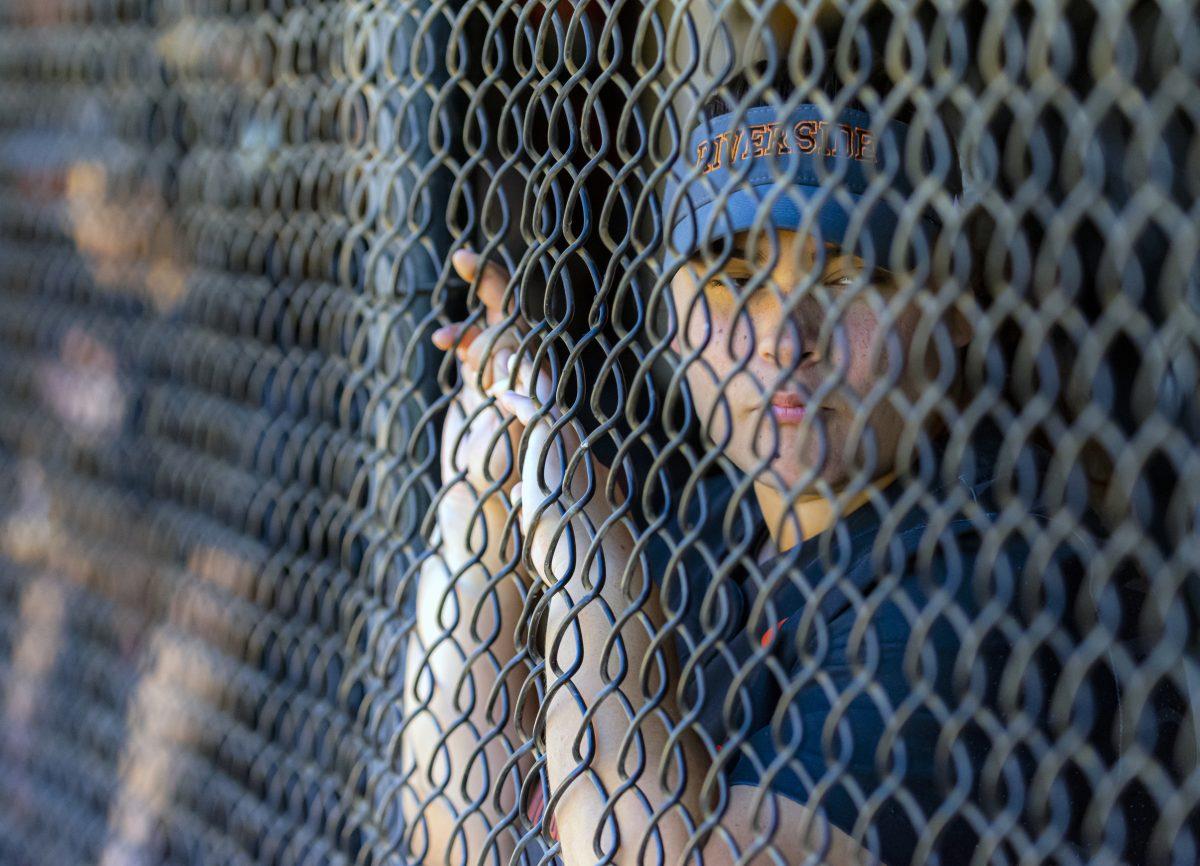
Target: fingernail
{"x":464,"y":260}
{"x":520,"y":406}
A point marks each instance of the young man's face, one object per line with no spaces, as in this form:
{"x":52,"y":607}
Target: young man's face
{"x":816,"y":348}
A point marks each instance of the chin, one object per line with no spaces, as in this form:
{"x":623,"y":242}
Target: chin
{"x":792,"y":473}
{"x":798,"y":461}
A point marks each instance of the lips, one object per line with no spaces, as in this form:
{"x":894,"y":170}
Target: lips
{"x":788,"y":408}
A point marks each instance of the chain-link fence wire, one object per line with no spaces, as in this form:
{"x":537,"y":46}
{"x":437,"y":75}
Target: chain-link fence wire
{"x":598,"y":432}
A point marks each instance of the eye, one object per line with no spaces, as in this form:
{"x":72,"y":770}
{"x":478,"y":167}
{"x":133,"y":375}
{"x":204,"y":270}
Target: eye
{"x":840,"y":278}
{"x":727,"y":283}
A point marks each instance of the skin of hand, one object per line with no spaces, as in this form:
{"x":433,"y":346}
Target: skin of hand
{"x":475,"y":456}
{"x":460,"y":733}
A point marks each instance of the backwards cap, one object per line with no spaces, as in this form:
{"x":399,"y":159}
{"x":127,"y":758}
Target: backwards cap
{"x":822,"y":167}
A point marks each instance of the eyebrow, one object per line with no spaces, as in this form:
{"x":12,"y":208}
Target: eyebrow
{"x":762,"y":258}
{"x":834,"y":256}
{"x":833,"y":260}
{"x":759,"y":257}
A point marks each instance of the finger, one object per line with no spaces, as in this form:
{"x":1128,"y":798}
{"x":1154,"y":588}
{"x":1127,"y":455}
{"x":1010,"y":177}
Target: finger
{"x":541,"y":471}
{"x":533,"y":489}
{"x":543,"y":468}
{"x":501,"y":370}
{"x":519,"y":405}
{"x":467,"y":338}
{"x":447,"y":336}
{"x":535,"y":383}
{"x":465,"y":261}
{"x":492,"y":283}
{"x":548,"y":455}
{"x":493,"y":344}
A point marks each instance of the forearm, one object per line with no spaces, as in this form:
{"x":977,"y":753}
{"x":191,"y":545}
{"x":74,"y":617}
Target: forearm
{"x":609,"y":740}
{"x":460,"y":733}
{"x":619,"y":775}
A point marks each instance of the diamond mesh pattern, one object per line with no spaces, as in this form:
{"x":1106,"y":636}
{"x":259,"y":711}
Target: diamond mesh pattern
{"x":390,"y":482}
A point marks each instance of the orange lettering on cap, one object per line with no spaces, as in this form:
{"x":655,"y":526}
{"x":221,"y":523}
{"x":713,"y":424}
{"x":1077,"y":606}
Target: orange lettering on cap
{"x":760,"y":138}
{"x":740,"y":149}
{"x":767,"y":139}
{"x":719,"y":147}
{"x":782,"y":148}
{"x":866,"y":145}
{"x":842,"y":129}
{"x":806,"y":135}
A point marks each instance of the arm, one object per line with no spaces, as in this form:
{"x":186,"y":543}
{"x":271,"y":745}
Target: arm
{"x":460,"y":735}
{"x":462,"y":673}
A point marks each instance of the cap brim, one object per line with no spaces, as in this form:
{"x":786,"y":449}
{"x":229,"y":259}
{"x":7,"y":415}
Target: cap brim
{"x":717,"y":221}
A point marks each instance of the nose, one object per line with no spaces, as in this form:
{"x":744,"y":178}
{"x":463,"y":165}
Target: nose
{"x":786,"y":343}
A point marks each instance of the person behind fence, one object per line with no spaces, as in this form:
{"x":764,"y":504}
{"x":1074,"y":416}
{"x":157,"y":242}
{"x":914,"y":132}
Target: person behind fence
{"x":832,"y":683}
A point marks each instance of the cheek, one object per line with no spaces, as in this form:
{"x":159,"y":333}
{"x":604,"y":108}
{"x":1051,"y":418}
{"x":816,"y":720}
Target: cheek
{"x":714,"y":364}
{"x":852,"y":344}
{"x":700,"y":332}
{"x":703,"y":390}
{"x":869,"y":353}
{"x":721,"y":396}
{"x":708,"y":328}
{"x":704,"y":382}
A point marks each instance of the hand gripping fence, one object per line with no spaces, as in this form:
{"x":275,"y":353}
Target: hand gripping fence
{"x":594,"y":432}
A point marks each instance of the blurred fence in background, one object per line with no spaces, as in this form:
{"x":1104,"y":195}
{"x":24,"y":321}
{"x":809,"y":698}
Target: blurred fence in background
{"x":226,"y":230}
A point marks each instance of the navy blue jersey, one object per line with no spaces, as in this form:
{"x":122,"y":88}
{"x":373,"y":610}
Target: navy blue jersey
{"x":859,"y":673}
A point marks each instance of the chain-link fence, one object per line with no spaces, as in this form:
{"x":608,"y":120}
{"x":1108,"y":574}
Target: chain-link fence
{"x":597,"y":432}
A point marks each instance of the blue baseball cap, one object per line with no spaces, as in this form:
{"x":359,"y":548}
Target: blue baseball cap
{"x":814,"y":173}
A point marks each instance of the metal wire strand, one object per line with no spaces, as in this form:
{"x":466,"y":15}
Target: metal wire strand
{"x":524,"y":432}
